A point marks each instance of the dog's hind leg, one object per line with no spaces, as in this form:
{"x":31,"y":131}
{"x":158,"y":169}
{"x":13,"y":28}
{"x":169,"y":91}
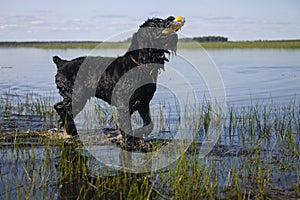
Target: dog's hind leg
{"x":64,"y":110}
{"x":70,"y":124}
{"x":60,"y":109}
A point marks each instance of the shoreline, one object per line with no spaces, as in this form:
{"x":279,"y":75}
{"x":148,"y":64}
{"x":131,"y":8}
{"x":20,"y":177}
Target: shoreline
{"x":263,"y":44}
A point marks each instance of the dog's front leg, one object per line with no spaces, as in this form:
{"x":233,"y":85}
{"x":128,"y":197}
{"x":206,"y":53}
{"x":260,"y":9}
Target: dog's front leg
{"x":124,"y":123}
{"x":144,"y":112}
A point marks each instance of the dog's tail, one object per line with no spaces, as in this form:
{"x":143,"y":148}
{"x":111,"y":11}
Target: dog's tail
{"x":58,"y":61}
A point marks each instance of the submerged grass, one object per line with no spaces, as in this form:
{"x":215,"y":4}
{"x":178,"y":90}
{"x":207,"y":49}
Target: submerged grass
{"x":257,"y":157}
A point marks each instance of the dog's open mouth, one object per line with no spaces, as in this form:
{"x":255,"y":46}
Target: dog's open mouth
{"x":174,"y":26}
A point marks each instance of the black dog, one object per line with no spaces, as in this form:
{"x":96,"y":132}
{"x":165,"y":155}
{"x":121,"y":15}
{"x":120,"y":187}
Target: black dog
{"x":110,"y":78}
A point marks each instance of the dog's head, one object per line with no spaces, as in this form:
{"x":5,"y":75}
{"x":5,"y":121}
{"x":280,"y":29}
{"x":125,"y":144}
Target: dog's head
{"x":159,"y":34}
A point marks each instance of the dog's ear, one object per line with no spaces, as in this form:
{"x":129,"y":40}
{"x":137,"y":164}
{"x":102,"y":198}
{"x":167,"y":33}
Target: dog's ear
{"x":170,"y":19}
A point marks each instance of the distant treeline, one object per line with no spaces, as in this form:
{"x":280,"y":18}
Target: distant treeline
{"x":205,"y":39}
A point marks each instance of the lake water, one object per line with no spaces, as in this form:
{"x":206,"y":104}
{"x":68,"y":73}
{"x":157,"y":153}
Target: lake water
{"x":248,"y":75}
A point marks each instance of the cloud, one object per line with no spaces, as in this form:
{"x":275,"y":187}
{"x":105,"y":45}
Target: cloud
{"x":109,"y":16}
{"x":7,"y":26}
{"x":3,"y":26}
{"x":37,"y":22}
{"x":213,"y":19}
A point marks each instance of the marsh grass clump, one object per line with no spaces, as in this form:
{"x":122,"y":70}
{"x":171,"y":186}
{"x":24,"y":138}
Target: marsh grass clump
{"x":267,"y":136}
{"x":24,"y":113}
{"x":257,"y":156}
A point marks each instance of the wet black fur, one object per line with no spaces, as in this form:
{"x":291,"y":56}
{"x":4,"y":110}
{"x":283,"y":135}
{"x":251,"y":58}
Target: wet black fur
{"x":82,"y":78}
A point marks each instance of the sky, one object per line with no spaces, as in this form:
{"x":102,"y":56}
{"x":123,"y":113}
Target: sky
{"x":58,"y":20}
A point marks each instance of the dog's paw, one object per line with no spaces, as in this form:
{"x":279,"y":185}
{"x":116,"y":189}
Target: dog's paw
{"x":59,"y":134}
{"x":53,"y":130}
{"x":65,"y":135}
